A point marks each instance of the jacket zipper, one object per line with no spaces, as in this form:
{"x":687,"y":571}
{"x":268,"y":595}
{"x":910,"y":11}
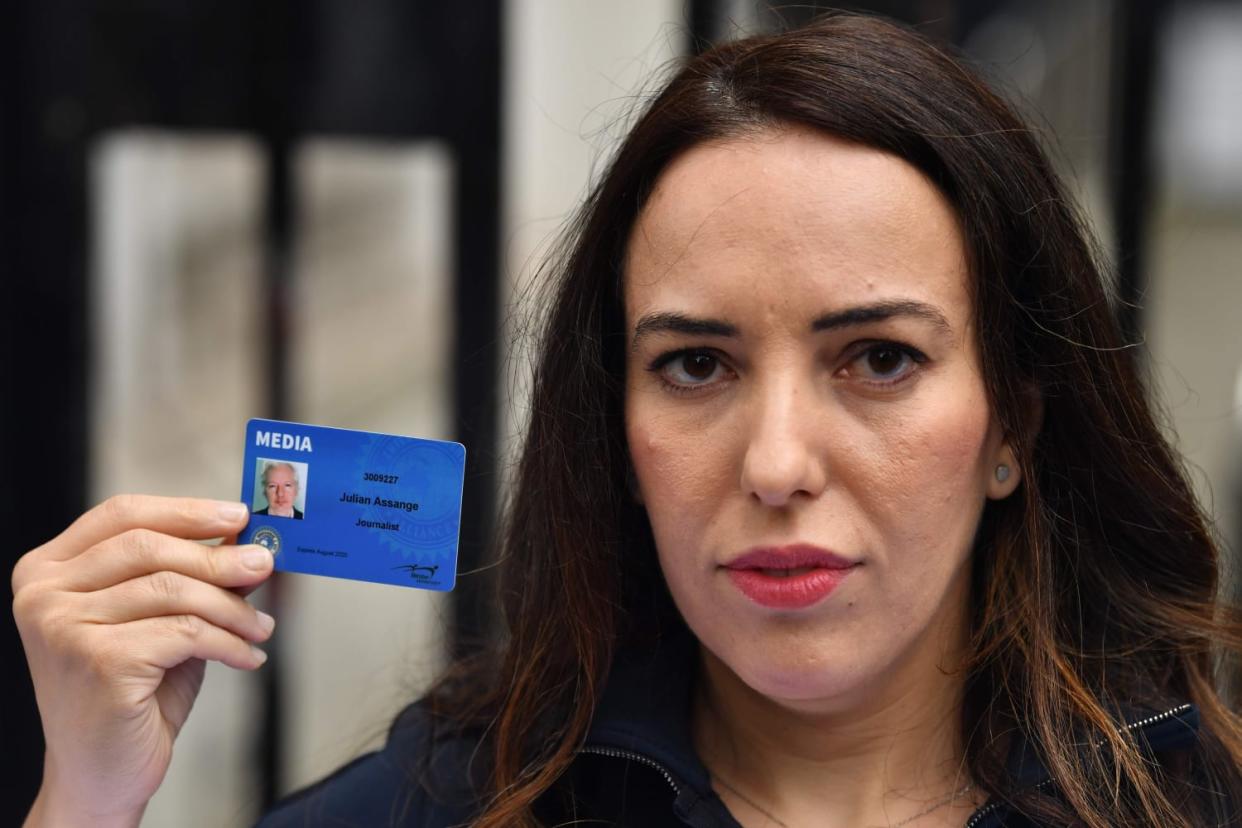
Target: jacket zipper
{"x":1139,"y":725}
{"x":989,"y":808}
{"x":1159,"y":717}
{"x":634,"y":757}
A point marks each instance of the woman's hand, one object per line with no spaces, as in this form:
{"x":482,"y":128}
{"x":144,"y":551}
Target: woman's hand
{"x":118,"y":615}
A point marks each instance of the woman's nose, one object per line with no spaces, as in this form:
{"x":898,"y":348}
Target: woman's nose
{"x":782,"y":460}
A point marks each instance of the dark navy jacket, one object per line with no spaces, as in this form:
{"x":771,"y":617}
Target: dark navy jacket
{"x":637,"y":766}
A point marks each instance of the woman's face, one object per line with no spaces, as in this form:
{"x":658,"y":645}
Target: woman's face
{"x":806,"y":414}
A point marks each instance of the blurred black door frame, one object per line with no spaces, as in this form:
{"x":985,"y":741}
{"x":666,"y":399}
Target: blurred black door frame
{"x":277,"y":70}
{"x":43,"y":317}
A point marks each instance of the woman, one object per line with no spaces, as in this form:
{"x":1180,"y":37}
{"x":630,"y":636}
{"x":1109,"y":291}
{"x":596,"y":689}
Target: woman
{"x":840,"y":504}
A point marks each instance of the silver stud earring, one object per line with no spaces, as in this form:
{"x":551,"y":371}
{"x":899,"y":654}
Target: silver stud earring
{"x":1002,"y":473}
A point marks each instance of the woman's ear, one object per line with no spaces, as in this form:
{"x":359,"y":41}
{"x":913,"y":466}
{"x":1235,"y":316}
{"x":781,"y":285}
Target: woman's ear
{"x":1006,"y":475}
{"x":1006,"y":472}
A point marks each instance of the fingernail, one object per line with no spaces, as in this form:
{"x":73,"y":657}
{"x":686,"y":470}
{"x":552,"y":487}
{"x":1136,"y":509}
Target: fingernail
{"x":255,"y":557}
{"x":267,"y":622}
{"x":233,"y":512}
{"x":259,"y":654}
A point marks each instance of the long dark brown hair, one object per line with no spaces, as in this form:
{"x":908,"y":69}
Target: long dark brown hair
{"x":1095,"y":587}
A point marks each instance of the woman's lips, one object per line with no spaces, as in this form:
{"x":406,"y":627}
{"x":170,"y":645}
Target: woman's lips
{"x":788,"y":577}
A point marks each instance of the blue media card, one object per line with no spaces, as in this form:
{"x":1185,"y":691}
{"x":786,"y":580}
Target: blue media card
{"x":354,"y":504}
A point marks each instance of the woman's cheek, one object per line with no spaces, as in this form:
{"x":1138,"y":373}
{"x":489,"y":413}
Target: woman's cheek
{"x":933,"y":483}
{"x":676,"y":496}
{"x":680,"y":478}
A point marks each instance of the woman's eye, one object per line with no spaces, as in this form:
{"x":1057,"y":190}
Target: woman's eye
{"x":886,"y":362}
{"x":689,"y":368}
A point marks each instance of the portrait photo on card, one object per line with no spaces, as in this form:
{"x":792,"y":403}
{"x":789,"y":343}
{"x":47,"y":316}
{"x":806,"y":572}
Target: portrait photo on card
{"x":280,"y":488}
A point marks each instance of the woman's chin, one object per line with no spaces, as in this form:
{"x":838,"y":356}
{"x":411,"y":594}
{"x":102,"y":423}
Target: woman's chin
{"x":815,"y":686}
{"x":819,"y":692}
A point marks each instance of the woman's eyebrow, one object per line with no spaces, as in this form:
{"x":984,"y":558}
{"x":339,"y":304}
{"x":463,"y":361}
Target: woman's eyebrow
{"x":682,"y":324}
{"x":878,"y":312}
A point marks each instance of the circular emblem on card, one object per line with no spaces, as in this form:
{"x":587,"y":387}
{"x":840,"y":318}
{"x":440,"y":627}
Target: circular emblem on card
{"x":267,"y":537}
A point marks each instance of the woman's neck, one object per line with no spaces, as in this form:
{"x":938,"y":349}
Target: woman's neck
{"x":878,"y":762}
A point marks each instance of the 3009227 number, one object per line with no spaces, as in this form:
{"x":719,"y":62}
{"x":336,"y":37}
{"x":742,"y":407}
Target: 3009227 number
{"x":379,"y":478}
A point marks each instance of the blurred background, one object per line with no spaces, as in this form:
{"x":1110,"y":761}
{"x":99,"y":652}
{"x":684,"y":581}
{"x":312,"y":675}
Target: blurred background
{"x":326,"y":211}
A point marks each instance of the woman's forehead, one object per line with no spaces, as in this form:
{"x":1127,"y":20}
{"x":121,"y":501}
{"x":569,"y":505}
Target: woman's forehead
{"x":796,"y":215}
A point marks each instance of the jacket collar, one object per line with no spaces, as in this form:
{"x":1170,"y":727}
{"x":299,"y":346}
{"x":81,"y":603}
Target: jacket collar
{"x":645,"y":708}
{"x":645,"y":713}
{"x":1157,"y":731}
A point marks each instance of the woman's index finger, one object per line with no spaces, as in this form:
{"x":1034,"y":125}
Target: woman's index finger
{"x":184,"y":517}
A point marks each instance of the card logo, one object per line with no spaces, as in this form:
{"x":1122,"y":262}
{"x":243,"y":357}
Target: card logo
{"x":267,"y":537}
{"x":420,"y":573}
